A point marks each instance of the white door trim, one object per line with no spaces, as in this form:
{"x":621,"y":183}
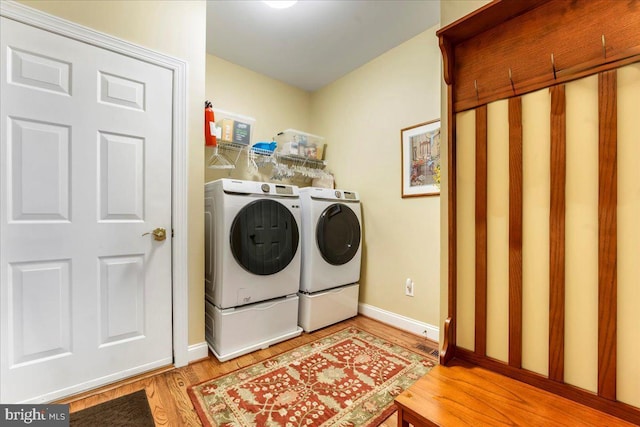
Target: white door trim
{"x":180,"y":279}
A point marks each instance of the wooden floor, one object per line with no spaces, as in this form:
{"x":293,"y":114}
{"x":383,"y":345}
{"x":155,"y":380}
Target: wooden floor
{"x":167,"y":388}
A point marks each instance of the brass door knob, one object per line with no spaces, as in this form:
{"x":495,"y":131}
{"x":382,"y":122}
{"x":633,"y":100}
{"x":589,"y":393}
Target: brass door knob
{"x":159,"y":234}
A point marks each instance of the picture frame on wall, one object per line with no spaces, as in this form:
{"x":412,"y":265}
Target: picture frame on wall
{"x":420,"y":145}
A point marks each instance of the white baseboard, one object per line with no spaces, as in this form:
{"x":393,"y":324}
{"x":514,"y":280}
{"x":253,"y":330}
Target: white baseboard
{"x":198,"y":351}
{"x":400,"y":322}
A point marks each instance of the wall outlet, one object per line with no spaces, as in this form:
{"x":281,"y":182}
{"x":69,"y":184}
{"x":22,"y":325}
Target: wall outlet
{"x":408,"y":287}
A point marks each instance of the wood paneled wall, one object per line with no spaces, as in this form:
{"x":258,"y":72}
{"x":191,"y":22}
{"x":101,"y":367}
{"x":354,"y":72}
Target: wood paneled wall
{"x":514,"y":241}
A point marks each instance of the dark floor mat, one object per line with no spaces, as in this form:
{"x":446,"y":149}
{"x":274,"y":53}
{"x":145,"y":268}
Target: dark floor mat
{"x":130,"y":410}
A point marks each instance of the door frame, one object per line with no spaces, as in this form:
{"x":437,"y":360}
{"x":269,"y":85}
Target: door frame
{"x":179,"y":149}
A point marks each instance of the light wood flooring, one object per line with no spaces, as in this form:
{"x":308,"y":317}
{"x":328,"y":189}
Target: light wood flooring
{"x":167,"y":388}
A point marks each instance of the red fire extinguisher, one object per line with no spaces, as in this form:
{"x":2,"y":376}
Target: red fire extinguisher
{"x":209,"y":125}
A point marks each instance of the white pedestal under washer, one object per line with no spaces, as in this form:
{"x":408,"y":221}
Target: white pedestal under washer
{"x":331,"y":256}
{"x":252,"y":256}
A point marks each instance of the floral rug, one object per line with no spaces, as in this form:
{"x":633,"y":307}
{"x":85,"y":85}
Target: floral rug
{"x":349,"y":378}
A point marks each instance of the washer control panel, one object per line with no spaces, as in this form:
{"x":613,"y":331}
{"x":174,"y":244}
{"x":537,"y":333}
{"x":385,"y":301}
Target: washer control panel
{"x":236,"y":186}
{"x":284,"y":189}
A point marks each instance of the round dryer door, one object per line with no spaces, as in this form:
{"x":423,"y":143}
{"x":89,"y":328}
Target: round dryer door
{"x":338,"y":234}
{"x":264,"y":237}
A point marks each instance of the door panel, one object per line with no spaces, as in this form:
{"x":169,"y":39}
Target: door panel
{"x":38,"y":71}
{"x":121,"y":298}
{"x":39,"y":171}
{"x":121,"y":166}
{"x":85,"y":171}
{"x":118,"y":90}
{"x":40,"y":310}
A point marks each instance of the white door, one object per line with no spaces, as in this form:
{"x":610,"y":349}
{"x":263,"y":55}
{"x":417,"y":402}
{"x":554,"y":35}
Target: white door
{"x":85,"y":170}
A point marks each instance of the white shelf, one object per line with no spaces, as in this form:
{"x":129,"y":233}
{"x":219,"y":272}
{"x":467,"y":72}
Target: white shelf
{"x":287,"y":165}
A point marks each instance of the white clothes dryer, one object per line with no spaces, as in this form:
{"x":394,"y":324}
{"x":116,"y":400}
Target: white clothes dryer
{"x":331,"y":256}
{"x":332,"y":238}
{"x":252,"y":265}
{"x":252,"y":241}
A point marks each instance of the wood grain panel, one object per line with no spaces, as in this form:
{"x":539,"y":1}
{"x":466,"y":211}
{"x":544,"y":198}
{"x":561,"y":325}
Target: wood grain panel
{"x":486,"y":48}
{"x":484,"y":18}
{"x":571,"y":30}
{"x":448,"y":396}
{"x":449,"y":345}
{"x":481,"y":231}
{"x":577,"y":394}
{"x":515,"y":232}
{"x":607,"y":234}
{"x":557,"y":233}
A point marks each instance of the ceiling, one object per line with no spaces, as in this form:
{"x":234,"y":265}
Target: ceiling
{"x":314,"y":42}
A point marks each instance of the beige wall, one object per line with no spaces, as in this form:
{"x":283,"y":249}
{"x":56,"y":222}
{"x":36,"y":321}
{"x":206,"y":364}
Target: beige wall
{"x":361,"y":116}
{"x":276,"y":106}
{"x":628,"y":376}
{"x":175,"y":28}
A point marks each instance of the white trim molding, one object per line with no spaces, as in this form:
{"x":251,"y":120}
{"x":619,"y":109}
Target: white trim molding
{"x":178,"y":67}
{"x":401,"y":322}
{"x":198,"y":351}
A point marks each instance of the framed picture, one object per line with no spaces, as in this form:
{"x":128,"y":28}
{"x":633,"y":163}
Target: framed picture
{"x":421,"y":159}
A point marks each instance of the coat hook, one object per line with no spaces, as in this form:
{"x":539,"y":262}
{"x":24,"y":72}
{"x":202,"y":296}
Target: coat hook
{"x":553,"y":65}
{"x":604,"y":48}
{"x":511,"y":80}
{"x":475,"y":84}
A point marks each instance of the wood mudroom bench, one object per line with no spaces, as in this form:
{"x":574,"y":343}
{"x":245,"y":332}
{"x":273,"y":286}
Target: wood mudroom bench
{"x":534,"y":335}
{"x":462,"y":394}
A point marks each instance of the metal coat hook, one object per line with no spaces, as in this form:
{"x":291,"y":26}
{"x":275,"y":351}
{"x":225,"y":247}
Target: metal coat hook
{"x":511,"y":80}
{"x":475,"y":84}
{"x":604,"y":48}
{"x":553,"y":65}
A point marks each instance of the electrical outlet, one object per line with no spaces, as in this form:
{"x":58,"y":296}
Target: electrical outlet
{"x":408,"y":288}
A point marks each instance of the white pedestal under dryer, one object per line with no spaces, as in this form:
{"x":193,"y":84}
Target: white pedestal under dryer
{"x":331,"y":256}
{"x":252,"y":265}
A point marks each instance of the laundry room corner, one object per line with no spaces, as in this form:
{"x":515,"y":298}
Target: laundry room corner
{"x":361,"y":115}
{"x":275,"y":105}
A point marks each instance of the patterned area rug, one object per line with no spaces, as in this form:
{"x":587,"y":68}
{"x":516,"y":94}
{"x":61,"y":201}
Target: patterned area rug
{"x":349,"y":378}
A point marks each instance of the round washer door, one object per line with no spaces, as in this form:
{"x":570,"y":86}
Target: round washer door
{"x":264,"y":237}
{"x":338,"y":234}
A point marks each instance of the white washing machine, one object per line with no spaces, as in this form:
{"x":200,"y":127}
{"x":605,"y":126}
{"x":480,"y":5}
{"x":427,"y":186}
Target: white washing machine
{"x":331,"y":256}
{"x":252,"y":265}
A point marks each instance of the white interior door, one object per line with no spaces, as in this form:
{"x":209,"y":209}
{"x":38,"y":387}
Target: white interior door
{"x":85,"y":170}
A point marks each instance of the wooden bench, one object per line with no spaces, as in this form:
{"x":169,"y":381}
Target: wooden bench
{"x":461,"y":394}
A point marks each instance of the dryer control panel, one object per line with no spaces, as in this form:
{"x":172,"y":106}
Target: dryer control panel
{"x":319,"y":193}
